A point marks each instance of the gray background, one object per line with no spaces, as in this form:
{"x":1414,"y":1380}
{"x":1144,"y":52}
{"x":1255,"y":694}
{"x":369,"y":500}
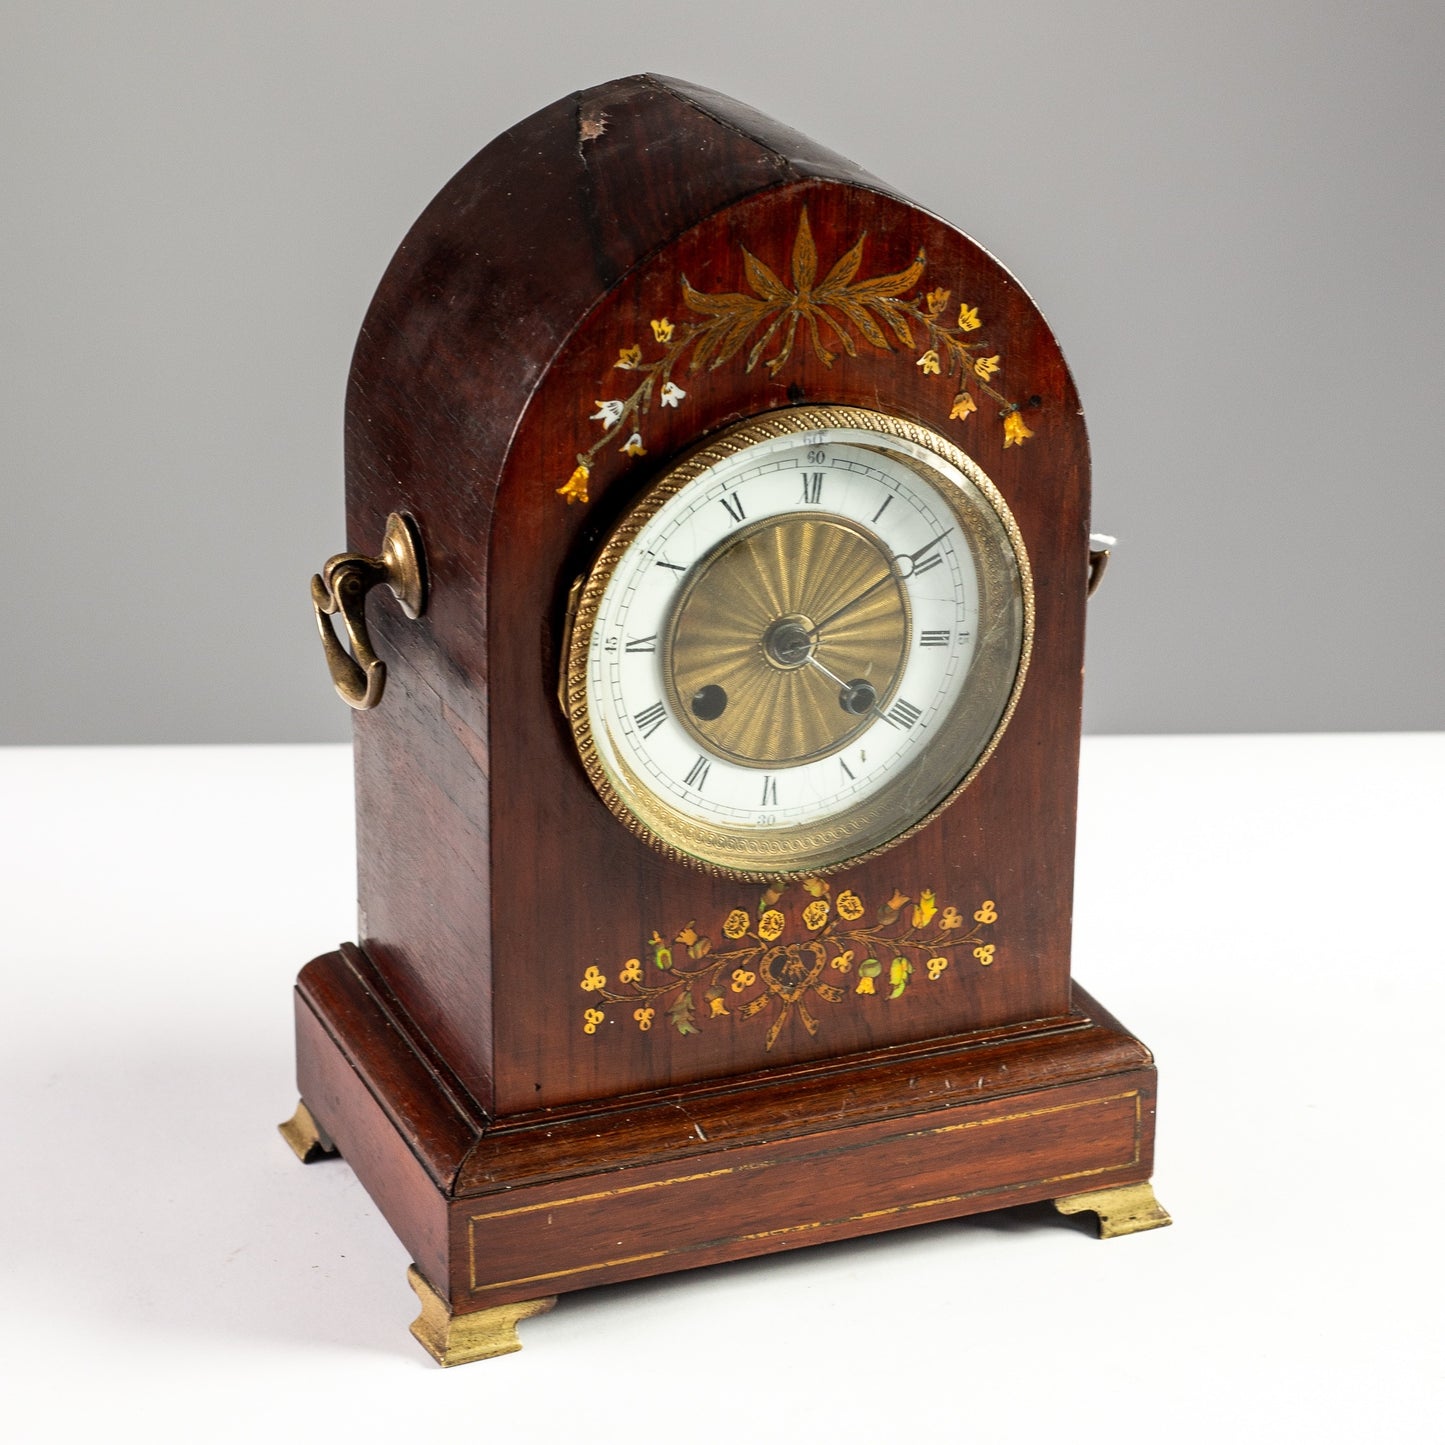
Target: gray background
{"x":1230,"y":212}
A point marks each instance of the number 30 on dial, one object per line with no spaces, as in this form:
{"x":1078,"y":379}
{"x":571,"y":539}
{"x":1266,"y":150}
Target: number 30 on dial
{"x":800,"y":643}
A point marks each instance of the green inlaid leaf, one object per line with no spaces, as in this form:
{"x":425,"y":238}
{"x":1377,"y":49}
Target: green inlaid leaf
{"x":681,"y":1013}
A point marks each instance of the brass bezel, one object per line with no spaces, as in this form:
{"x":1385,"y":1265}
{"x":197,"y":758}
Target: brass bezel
{"x":801,"y":850}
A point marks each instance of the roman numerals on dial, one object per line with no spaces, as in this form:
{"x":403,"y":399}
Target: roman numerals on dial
{"x":698,"y":776}
{"x":733,"y":506}
{"x":812,"y":487}
{"x":903,"y":714}
{"x":650,"y":719}
{"x":936,"y":637}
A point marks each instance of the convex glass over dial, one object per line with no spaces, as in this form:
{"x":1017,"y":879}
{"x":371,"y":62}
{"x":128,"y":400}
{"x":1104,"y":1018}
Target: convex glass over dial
{"x":801,"y":642}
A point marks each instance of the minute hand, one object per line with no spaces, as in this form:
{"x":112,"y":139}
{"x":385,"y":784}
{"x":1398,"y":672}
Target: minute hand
{"x":894,"y":573}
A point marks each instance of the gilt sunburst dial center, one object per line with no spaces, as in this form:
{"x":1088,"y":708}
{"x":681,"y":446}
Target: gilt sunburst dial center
{"x":785,"y":619}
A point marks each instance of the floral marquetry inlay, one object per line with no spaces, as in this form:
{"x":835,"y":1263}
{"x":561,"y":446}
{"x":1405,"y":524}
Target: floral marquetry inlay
{"x":778,"y":958}
{"x":831,"y":315}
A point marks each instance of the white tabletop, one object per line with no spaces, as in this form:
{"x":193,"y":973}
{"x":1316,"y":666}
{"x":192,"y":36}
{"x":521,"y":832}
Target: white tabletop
{"x":1263,"y":911}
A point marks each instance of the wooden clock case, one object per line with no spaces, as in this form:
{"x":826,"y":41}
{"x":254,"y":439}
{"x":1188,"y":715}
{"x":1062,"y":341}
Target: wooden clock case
{"x":518,"y":1153}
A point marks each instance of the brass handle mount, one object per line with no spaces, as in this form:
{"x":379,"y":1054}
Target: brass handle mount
{"x":1100,"y":546}
{"x":359,"y":676}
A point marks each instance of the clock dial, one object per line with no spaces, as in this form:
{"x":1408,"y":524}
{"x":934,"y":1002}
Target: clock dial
{"x":800,"y":643}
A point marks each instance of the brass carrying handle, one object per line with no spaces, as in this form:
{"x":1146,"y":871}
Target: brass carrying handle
{"x":360,"y":675}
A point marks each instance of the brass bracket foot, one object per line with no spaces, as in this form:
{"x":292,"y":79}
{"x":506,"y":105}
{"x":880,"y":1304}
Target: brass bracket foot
{"x":1126,"y":1210}
{"x":308,"y":1140}
{"x":458,"y":1339}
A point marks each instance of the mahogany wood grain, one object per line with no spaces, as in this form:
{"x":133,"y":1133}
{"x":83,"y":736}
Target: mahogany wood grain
{"x":837,"y":1183}
{"x":491,"y":874}
{"x":445,"y":1053}
{"x":568,"y":1198}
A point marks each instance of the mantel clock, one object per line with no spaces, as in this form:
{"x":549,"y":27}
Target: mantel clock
{"x":715,"y":633}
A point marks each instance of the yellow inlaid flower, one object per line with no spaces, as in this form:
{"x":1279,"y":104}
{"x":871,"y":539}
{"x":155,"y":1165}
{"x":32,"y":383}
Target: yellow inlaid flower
{"x":743,"y":978}
{"x":737,"y":923}
{"x":644,"y":1017}
{"x":868,"y":970}
{"x":575,"y":487}
{"x":935,"y":967}
{"x":1015,"y":433}
{"x":929,"y":363}
{"x":815,"y":915}
{"x":770,"y":925}
{"x":662,"y":330}
{"x":843,"y":962}
{"x":818,"y":887}
{"x":631,"y":971}
{"x":864,"y":985}
{"x":925,"y":908}
{"x":963,"y":404}
{"x":968,"y":319}
{"x":687,"y":934}
{"x":633,"y":446}
{"x":952,"y":918}
{"x":987,"y":912}
{"x":985,"y":366}
{"x":984,"y":954}
{"x":899,"y":972}
{"x":850,"y":906}
{"x":937,"y":300}
{"x":592,"y":980}
{"x":591,"y":1019}
{"x":717,"y":1006}
{"x":628,"y":359}
{"x":890,"y":910}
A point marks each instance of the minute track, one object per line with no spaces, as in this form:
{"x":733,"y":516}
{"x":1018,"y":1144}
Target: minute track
{"x":791,"y":641}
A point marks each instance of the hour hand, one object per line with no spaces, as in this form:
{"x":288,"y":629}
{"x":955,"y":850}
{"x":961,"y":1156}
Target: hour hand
{"x":855,"y":697}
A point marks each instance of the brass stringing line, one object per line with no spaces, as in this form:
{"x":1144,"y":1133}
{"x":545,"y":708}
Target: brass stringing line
{"x":817,"y":1224}
{"x":562,"y":1273}
{"x":1011,"y":1118}
{"x":597,"y":1194}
